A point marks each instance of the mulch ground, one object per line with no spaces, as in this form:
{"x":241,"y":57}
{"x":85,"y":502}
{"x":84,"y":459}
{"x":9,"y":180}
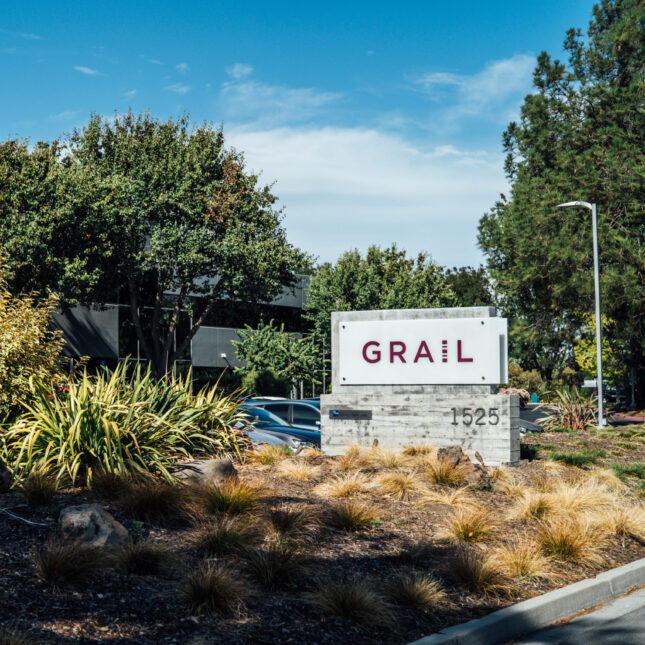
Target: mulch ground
{"x":113,"y":607}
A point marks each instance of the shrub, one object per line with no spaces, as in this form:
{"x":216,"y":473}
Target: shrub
{"x":398,"y":484}
{"x":265,"y":383}
{"x":523,"y":560}
{"x":532,"y":505}
{"x":629,"y":470}
{"x":347,"y":485}
{"x":354,"y":600}
{"x":292,"y":524}
{"x":216,"y":588}
{"x":418,"y":590}
{"x":225,"y":536}
{"x":579,"y":459}
{"x":469,"y":525}
{"x":141,"y":558}
{"x":573,"y":540}
{"x":121,"y":422}
{"x":624,"y":522}
{"x":524,"y":379}
{"x":442,"y":471}
{"x":571,"y":411}
{"x":232,"y":497}
{"x":352,"y":515}
{"x":298,"y":469}
{"x":59,"y":563}
{"x":478,"y":573}
{"x":39,"y":488}
{"x":28,"y":346}
{"x":272,"y":566}
{"x":154,"y":501}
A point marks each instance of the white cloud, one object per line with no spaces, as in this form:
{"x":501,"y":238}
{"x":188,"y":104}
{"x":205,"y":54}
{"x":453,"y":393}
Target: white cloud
{"x":182,"y":67}
{"x":496,"y":90}
{"x":18,"y":34}
{"x":270,"y":104}
{"x":239,"y":70}
{"x":130,"y":94}
{"x":153,"y":61}
{"x":351,"y":187}
{"x":85,"y":70}
{"x":178,"y":88}
{"x":65,"y":115}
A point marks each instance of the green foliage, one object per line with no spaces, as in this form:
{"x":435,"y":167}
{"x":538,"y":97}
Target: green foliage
{"x":275,"y":361}
{"x":471,"y":286}
{"x":120,"y":423}
{"x":28,"y":346}
{"x":150,"y":206}
{"x":529,"y":380}
{"x":630,"y":470}
{"x":580,"y":137}
{"x":383,"y":279}
{"x":579,"y":459}
{"x":614,"y":365}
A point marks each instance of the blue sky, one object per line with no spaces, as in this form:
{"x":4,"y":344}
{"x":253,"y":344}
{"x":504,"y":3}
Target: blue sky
{"x":379,"y":122}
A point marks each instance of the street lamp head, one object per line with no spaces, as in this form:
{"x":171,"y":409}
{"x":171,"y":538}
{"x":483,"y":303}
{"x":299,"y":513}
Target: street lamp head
{"x":585,"y":204}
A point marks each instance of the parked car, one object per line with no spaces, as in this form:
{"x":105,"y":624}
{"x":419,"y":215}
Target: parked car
{"x":265,"y":421}
{"x":303,"y":413}
{"x":259,"y":438}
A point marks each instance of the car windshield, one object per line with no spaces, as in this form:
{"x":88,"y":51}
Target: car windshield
{"x":264,"y":418}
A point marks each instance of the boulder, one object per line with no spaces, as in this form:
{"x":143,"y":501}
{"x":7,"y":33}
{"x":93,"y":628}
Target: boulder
{"x":92,"y":525}
{"x":5,"y":478}
{"x":209,"y":472}
{"x":476,"y":475}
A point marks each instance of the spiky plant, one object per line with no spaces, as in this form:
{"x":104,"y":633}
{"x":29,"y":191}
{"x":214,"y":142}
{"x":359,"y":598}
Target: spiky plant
{"x":354,"y":600}
{"x":442,"y":471}
{"x":297,"y":469}
{"x":524,"y":560}
{"x":532,"y":505}
{"x":418,"y":590}
{"x":572,"y":539}
{"x":289,"y":524}
{"x":469,"y":525}
{"x":352,"y":515}
{"x":272,"y":566}
{"x":570,"y":409}
{"x":66,"y":563}
{"x":478,"y":573}
{"x":348,"y":485}
{"x":268,"y":455}
{"x":154,"y":500}
{"x":233,"y":497}
{"x":39,"y":487}
{"x":12,"y":635}
{"x":143,"y":558}
{"x":458,"y":497}
{"x":216,"y":588}
{"x":108,"y":485}
{"x":625,"y":522}
{"x":398,"y":484}
{"x":225,"y":536}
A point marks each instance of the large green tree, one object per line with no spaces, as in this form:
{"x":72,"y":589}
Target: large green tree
{"x":160,"y":212}
{"x":471,"y":286}
{"x":382,"y":279}
{"x":581,"y":136}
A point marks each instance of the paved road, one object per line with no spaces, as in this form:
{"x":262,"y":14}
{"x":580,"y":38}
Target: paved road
{"x":620,"y":622}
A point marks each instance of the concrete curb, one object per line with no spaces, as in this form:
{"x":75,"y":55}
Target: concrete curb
{"x":533,"y":614}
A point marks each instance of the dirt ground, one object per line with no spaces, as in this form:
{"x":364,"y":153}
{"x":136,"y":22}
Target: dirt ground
{"x":112,"y":607}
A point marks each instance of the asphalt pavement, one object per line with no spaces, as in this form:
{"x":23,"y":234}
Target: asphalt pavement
{"x":619,"y":622}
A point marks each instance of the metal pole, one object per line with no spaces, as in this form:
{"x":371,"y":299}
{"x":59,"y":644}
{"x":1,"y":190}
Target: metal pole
{"x":596,"y":275}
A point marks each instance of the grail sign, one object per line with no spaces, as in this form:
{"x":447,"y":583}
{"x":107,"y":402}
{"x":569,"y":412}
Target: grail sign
{"x":452,"y":351}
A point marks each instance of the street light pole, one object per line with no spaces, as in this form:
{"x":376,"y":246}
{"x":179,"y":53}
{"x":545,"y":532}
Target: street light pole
{"x":596,"y":274}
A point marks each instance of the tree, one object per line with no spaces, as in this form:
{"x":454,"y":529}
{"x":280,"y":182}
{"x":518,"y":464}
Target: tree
{"x":471,"y":286}
{"x":269,"y":350}
{"x":383,"y":279}
{"x":580,"y":137}
{"x":28,"y":346}
{"x":157,"y":211}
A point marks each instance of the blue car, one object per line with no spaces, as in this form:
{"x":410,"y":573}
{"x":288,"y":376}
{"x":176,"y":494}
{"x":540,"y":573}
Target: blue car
{"x":303,"y":414}
{"x":266,"y":421}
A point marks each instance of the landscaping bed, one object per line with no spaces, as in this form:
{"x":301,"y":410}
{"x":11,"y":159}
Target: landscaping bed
{"x":462,"y":552}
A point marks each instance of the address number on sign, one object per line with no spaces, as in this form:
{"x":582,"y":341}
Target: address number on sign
{"x":475,"y":416}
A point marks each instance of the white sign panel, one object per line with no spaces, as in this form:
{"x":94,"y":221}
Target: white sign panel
{"x":454,"y":351}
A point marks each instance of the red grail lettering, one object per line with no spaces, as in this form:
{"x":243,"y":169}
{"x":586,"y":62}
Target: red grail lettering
{"x":460,"y":358}
{"x":375,"y":356}
{"x":399,"y":352}
{"x":423,"y":352}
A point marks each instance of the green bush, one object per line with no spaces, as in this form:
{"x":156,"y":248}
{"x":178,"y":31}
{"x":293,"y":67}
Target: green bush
{"x":265,"y":383}
{"x":529,"y":380}
{"x":118,"y":422}
{"x":579,"y":459}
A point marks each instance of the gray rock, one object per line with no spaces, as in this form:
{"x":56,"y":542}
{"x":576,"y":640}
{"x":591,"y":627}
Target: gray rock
{"x":5,"y":478}
{"x":207,"y":472}
{"x":92,"y":525}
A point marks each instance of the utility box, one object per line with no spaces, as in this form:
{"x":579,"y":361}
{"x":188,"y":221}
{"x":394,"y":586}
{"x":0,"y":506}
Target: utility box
{"x":421,"y":376}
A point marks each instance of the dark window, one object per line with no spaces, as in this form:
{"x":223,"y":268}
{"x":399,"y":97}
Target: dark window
{"x":279,"y":409}
{"x":305,"y":415}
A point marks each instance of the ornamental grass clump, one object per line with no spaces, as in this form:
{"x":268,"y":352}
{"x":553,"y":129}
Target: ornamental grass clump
{"x":155,"y":501}
{"x":443,"y":471}
{"x":478,"y":573}
{"x":216,"y":588}
{"x":268,"y":455}
{"x":143,"y":558}
{"x":67,"y":563}
{"x":570,"y":539}
{"x":469,"y":525}
{"x":352,"y":515}
{"x":297,"y":469}
{"x":232,"y":497}
{"x":570,"y":410}
{"x":417,"y":590}
{"x":10,"y":635}
{"x":288,"y":525}
{"x":398,"y":484}
{"x":272,"y":566}
{"x":39,"y":488}
{"x":225,"y":536}
{"x":121,"y":421}
{"x":347,"y":485}
{"x":524,"y":560}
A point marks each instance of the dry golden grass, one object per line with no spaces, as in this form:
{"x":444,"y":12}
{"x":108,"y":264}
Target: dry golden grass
{"x":441,"y":471}
{"x":399,"y":484}
{"x":350,"y":459}
{"x":352,"y":515}
{"x":233,"y":497}
{"x":478,"y":572}
{"x":354,"y":600}
{"x":458,"y":497}
{"x":225,"y":536}
{"x":215,"y":588}
{"x":347,"y":485}
{"x":383,"y":458}
{"x":571,"y":539}
{"x":268,"y":455}
{"x":418,"y":450}
{"x":531,"y":505}
{"x":608,"y":479}
{"x":418,"y":590}
{"x":287,"y":524}
{"x":297,"y":469}
{"x":626,"y":521}
{"x":524,"y":560}
{"x":573,"y":497}
{"x":469,"y":525}
{"x":510,"y":486}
